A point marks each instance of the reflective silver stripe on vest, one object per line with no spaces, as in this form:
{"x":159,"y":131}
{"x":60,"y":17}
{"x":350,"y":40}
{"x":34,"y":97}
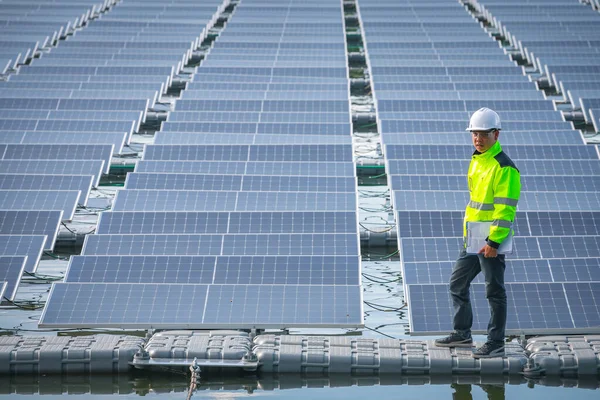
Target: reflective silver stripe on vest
{"x":505,"y":200}
{"x":481,"y":206}
{"x":502,"y":223}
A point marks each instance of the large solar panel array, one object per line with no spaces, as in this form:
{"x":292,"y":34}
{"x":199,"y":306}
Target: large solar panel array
{"x":560,"y":39}
{"x":431,"y":66}
{"x":30,"y":26}
{"x":243,"y":213}
{"x":80,"y":101}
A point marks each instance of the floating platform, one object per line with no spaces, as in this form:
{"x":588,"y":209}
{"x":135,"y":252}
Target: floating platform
{"x":551,"y":356}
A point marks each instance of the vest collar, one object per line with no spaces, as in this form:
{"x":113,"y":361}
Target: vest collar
{"x":492,"y":151}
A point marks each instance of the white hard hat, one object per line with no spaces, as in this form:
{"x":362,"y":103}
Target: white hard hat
{"x":484,"y":119}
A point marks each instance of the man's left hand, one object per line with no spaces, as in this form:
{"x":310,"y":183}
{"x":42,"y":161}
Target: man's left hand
{"x":488,"y":251}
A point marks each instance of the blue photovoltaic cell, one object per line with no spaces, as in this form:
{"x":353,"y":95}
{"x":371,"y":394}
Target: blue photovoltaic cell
{"x":159,"y":305}
{"x":180,"y":200}
{"x":563,"y":223}
{"x":225,"y":222}
{"x":570,"y":246}
{"x":54,"y":167}
{"x":242,"y":138}
{"x":3,"y":286}
{"x":531,"y":307}
{"x":575,"y":269}
{"x":291,"y":244}
{"x":125,"y":305}
{"x":328,"y":153}
{"x":584,"y":304}
{"x":23,"y":245}
{"x":447,"y":249}
{"x":152,"y":245}
{"x":31,"y":223}
{"x":517,"y":271}
{"x":288,"y":305}
{"x":82,"y":183}
{"x":117,"y":139}
{"x":11,"y":270}
{"x":192,"y":167}
{"x":138,"y":180}
{"x":60,"y":152}
{"x":312,"y":270}
{"x":66,"y":200}
{"x":289,"y":270}
{"x":141,"y":269}
{"x":162,"y":222}
{"x":275,"y":201}
{"x":196,"y":153}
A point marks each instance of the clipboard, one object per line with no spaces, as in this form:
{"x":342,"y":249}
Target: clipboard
{"x":477,"y":232}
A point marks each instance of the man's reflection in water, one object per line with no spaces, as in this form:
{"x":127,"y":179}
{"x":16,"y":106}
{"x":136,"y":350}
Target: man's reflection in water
{"x":463,"y":391}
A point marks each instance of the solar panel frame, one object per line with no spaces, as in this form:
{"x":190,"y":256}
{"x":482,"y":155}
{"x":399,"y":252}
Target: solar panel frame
{"x":83,"y":183}
{"x":55,"y":167}
{"x":127,"y":306}
{"x":18,"y":222}
{"x":137,"y":222}
{"x":31,"y":246}
{"x":59,"y":152}
{"x":64,"y":200}
{"x":11,"y":270}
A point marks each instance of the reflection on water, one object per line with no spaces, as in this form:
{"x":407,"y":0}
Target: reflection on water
{"x":142,"y":383}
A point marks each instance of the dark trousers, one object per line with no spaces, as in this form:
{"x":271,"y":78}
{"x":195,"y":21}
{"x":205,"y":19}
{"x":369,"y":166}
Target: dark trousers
{"x":465,"y":269}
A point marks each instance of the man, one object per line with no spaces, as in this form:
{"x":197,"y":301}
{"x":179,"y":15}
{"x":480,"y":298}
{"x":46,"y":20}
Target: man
{"x":494,"y":186}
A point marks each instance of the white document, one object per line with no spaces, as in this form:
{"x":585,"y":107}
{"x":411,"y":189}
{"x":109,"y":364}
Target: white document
{"x":477,"y":232}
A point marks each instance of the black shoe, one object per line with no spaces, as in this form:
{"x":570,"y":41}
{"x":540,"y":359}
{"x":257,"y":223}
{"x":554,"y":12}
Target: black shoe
{"x":490,"y":350}
{"x":454,"y":340}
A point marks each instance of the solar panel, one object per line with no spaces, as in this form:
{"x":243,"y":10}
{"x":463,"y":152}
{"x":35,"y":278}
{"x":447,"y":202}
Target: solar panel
{"x":23,"y":245}
{"x":141,"y":269}
{"x":260,"y":270}
{"x":447,"y":249}
{"x":159,"y":305}
{"x":288,"y":305}
{"x":60,"y":152}
{"x":64,"y":200}
{"x":139,"y":180}
{"x":117,"y":139}
{"x":83,"y":183}
{"x":328,"y":153}
{"x":575,"y":269}
{"x":517,"y":271}
{"x":31,"y":223}
{"x":181,"y":200}
{"x":334,"y":169}
{"x":54,"y":167}
{"x":289,"y":270}
{"x":533,"y":307}
{"x":3,"y":286}
{"x":11,"y":270}
{"x":291,"y":244}
{"x":222,"y":222}
{"x":281,"y":244}
{"x":243,"y":138}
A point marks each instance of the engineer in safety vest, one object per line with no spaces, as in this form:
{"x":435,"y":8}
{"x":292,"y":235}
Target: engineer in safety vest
{"x":494,"y":186}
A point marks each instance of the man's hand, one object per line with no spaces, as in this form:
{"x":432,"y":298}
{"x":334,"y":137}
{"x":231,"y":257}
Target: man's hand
{"x":488,"y":251}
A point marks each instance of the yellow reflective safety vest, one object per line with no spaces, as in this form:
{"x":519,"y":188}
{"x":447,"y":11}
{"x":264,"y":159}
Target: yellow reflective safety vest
{"x":495,"y":187}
